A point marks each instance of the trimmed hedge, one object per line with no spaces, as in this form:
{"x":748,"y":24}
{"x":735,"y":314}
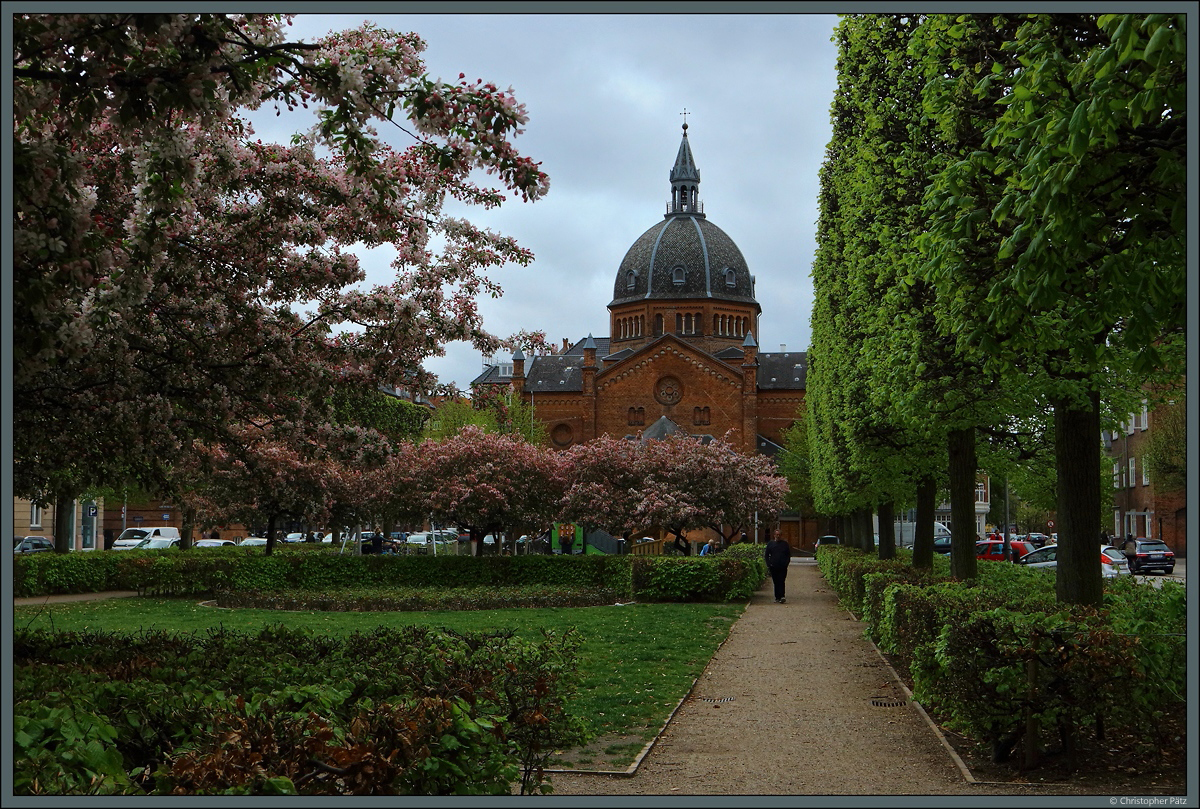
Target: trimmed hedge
{"x":673,"y":578}
{"x":998,"y":654}
{"x":418,"y":599}
{"x":730,"y":576}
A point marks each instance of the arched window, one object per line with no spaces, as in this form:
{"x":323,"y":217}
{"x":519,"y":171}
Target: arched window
{"x":632,"y":416}
{"x":679,"y":324}
{"x":698,"y":322}
{"x":658,"y":325}
{"x":678,"y":276}
{"x":730,"y":278}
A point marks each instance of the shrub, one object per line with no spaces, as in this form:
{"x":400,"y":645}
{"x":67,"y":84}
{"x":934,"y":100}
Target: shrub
{"x":992,"y":672}
{"x":685,"y":579}
{"x":282,"y":711}
{"x":203,"y":571}
{"x":384,"y":599}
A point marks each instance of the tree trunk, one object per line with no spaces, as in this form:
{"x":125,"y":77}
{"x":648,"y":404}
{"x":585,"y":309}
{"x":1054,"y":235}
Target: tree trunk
{"x":270,"y":535}
{"x":1077,"y":459}
{"x":64,"y":517}
{"x":963,"y":466}
{"x":887,"y":530}
{"x":865,"y":534}
{"x":923,"y":530}
{"x":189,"y":522}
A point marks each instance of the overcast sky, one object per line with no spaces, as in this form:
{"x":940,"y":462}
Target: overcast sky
{"x":604,"y":95}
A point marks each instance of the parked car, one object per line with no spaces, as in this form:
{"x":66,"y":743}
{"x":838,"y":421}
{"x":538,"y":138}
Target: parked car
{"x":1150,"y":556}
{"x":423,"y":541}
{"x":1046,"y":557}
{"x":1038,"y":540}
{"x":33,"y":544}
{"x":295,"y":537}
{"x":254,"y":541}
{"x":157,"y":543}
{"x":212,"y":543}
{"x":828,"y":539}
{"x":941,"y":545}
{"x":1112,"y":563}
{"x":993,"y":549}
{"x":132,"y":537}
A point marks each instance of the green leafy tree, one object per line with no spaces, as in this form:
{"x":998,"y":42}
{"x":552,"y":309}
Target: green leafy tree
{"x":1078,"y":300}
{"x":794,"y":463}
{"x":453,"y":416}
{"x":384,"y":412}
{"x":1166,"y":455}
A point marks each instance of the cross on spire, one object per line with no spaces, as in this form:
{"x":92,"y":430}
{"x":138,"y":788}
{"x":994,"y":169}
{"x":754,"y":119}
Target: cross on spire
{"x":685,"y":115}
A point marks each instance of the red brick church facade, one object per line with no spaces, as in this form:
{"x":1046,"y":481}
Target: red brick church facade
{"x":682,"y":353}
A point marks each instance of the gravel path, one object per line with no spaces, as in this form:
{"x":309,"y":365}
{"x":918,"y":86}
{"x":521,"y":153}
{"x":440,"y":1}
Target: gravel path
{"x":796,"y":702}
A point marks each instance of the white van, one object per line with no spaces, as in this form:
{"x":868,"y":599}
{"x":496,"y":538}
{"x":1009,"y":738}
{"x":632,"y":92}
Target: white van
{"x":906,"y":532}
{"x":132,"y":537}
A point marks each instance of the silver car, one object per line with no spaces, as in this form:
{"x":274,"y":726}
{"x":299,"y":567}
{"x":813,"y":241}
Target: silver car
{"x":1112,"y":561}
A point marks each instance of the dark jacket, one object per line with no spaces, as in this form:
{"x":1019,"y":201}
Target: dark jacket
{"x":777,"y":553}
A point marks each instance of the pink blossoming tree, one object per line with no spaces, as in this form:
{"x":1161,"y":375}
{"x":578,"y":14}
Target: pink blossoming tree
{"x":606,"y":486}
{"x":693,"y":485}
{"x":487,"y":482}
{"x":178,"y":280}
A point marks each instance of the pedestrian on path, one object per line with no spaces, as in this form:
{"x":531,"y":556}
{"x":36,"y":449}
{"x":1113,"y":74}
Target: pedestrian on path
{"x":778,"y":555}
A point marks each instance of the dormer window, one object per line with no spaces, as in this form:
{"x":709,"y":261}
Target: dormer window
{"x":730,"y":278}
{"x":630,"y":280}
{"x":505,"y":369}
{"x":677,"y":276}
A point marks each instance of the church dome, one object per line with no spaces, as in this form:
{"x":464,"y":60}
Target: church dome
{"x":685,"y":256}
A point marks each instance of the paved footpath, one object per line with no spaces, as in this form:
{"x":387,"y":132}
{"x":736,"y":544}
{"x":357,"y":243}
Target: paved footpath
{"x":795,"y":702}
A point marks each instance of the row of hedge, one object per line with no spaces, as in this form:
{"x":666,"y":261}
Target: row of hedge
{"x":410,"y":599}
{"x":730,"y":576}
{"x":998,"y":655}
{"x":409,"y":711}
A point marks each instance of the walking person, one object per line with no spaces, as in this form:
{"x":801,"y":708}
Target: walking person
{"x":778,"y":555}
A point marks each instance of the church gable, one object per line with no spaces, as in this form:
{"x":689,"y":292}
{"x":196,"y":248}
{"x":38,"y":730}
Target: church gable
{"x":672,"y":379}
{"x":669,"y":352}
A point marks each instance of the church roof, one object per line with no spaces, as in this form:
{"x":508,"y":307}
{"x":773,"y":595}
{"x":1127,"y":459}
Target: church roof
{"x":783,"y":371}
{"x":766,"y":446}
{"x":685,"y":255}
{"x":563,"y":372}
{"x":685,"y":169}
{"x":660,"y":429}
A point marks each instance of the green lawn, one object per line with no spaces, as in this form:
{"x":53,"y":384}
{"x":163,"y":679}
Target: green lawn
{"x":636,"y":661}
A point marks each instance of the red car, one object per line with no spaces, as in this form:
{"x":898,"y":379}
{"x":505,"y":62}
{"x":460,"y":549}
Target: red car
{"x":994,"y":549}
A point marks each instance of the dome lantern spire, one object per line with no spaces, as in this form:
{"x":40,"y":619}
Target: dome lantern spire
{"x":685,"y":180}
